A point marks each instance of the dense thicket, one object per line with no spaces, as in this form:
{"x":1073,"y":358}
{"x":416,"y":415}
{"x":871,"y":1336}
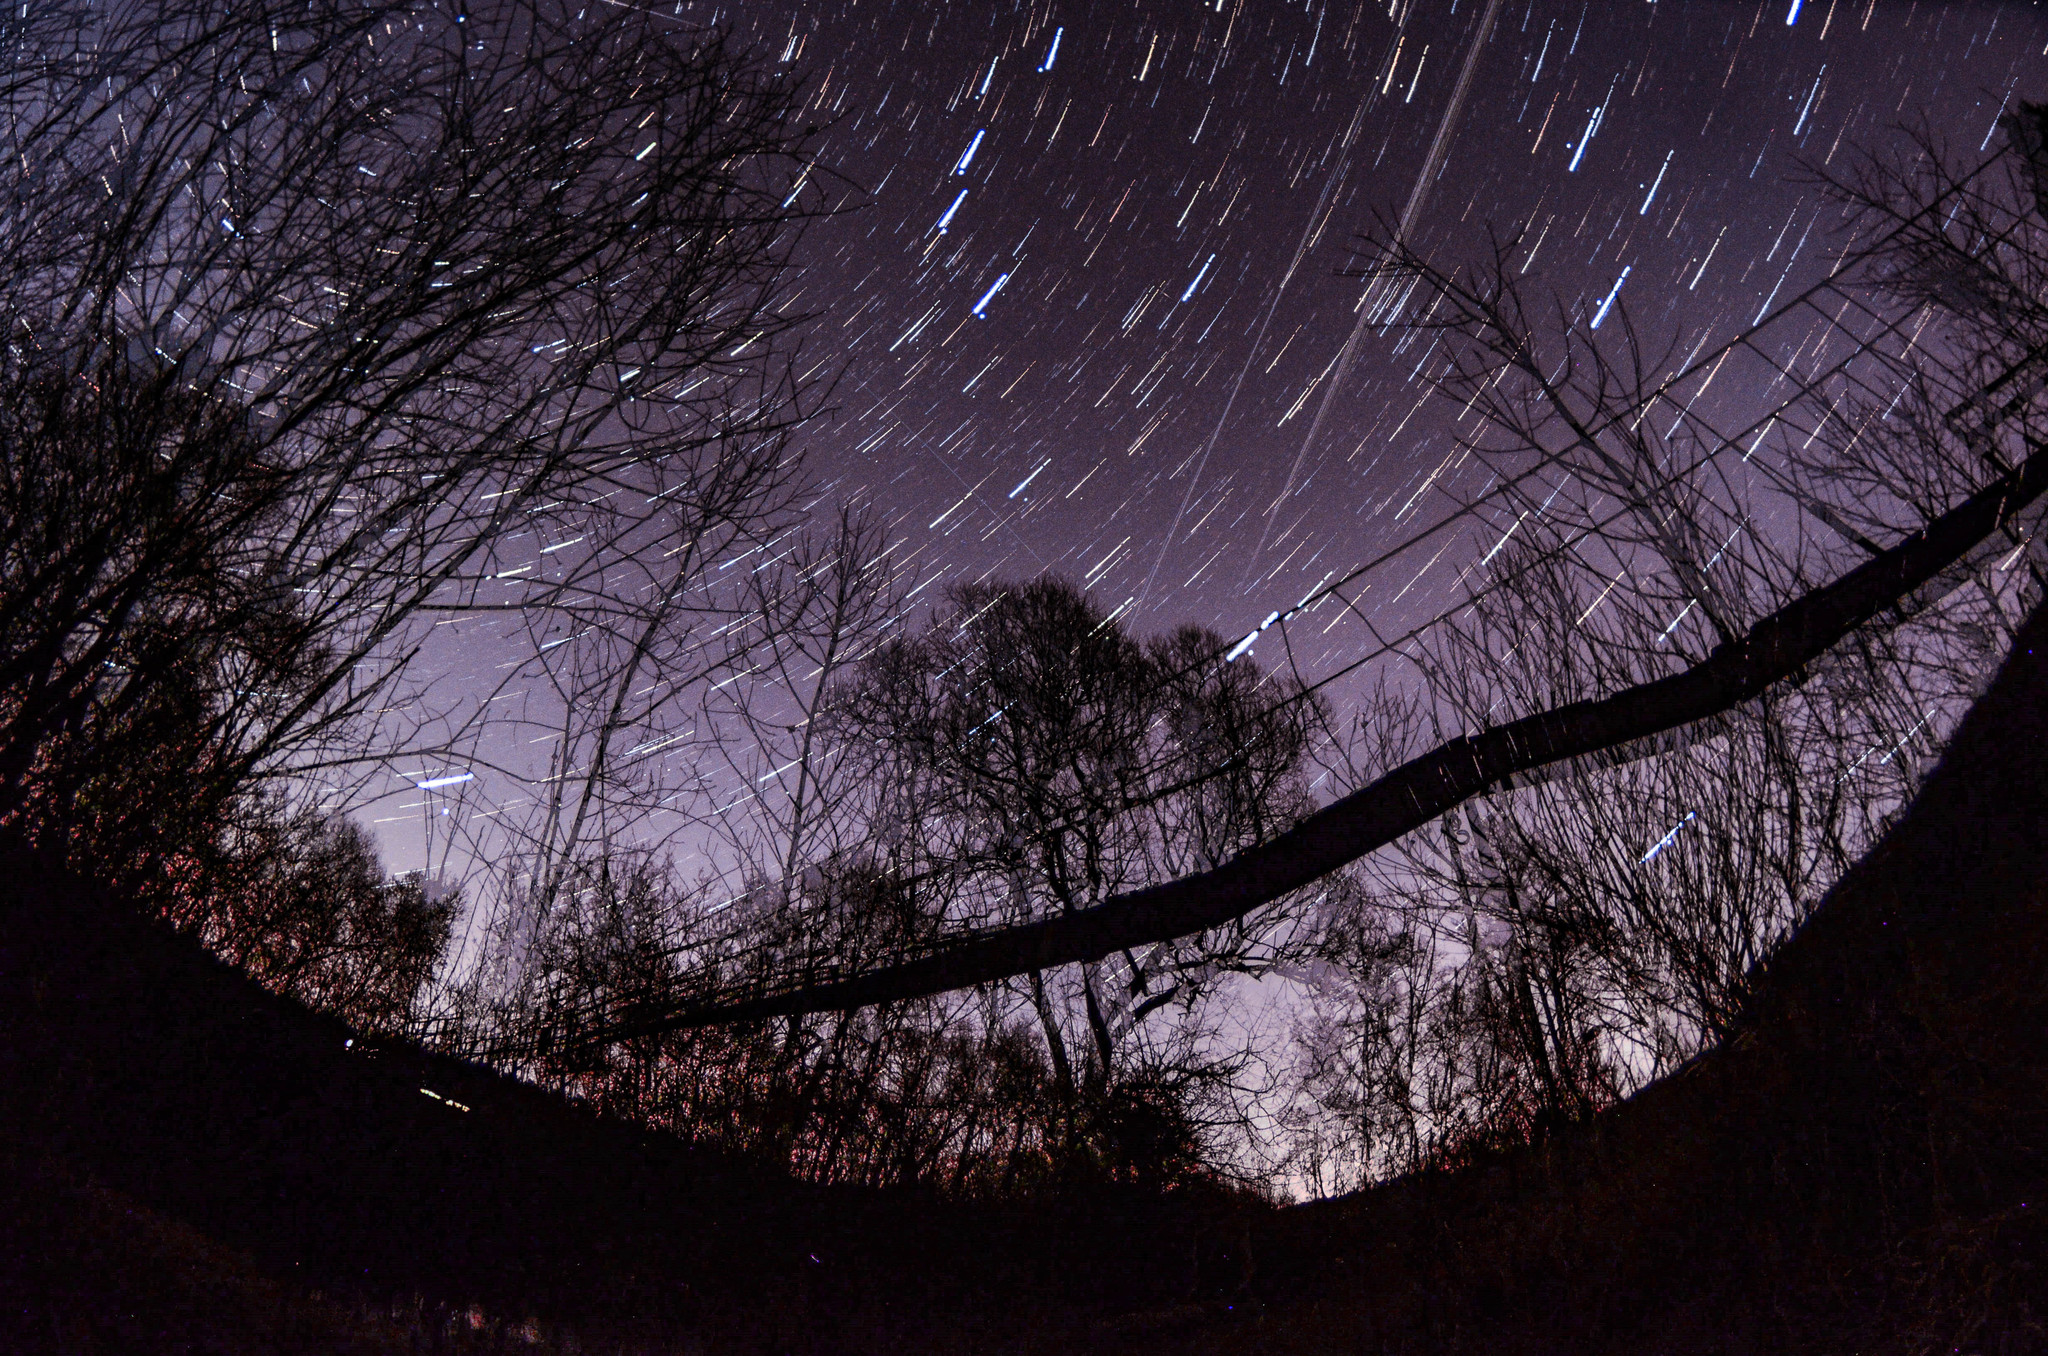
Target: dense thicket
{"x":311,"y":337}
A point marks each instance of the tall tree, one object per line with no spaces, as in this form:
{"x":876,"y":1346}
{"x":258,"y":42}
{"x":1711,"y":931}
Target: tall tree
{"x":1032,"y":759}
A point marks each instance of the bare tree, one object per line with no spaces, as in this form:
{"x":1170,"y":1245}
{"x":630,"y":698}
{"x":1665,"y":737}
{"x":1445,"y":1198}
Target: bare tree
{"x":710,"y":736}
{"x":1022,"y":755}
{"x":328,"y":323}
{"x":818,"y":608}
{"x":1547,"y":949}
{"x":300,"y":902}
{"x":1033,"y":759}
{"x":1743,"y":572}
{"x":1598,"y":923}
{"x":946,"y":1094}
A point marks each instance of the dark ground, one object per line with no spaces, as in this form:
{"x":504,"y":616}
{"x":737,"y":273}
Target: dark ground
{"x":188,"y":1164}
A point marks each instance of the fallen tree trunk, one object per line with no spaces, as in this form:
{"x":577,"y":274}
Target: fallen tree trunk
{"x":1776,"y":649}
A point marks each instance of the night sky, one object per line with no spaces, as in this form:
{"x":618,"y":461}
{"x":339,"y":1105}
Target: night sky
{"x":1109,"y":361}
{"x":1084,"y":288}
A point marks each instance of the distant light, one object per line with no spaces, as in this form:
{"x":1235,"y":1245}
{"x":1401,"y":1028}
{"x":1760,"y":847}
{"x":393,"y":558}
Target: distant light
{"x":1612,"y":292}
{"x":990,"y":295}
{"x":1668,"y":839}
{"x":1246,"y":643}
{"x":960,"y":166}
{"x":1053,"y":54}
{"x":445,"y":781}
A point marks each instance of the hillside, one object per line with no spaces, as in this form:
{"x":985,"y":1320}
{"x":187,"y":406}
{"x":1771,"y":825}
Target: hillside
{"x":192,"y":1164}
{"x":1863,"y":1168}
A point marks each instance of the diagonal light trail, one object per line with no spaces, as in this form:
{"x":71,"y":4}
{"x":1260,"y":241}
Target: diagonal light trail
{"x":1258,"y":342}
{"x":1416,"y":196}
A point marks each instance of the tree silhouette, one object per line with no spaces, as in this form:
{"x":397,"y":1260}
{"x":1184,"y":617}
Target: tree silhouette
{"x":1036,"y":759}
{"x":318,"y":330}
{"x":1952,"y":470}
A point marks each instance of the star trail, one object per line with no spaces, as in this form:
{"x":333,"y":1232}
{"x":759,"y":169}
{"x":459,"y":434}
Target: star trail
{"x":1093,"y":252}
{"x":1094,"y":296}
{"x":1038,"y":600}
